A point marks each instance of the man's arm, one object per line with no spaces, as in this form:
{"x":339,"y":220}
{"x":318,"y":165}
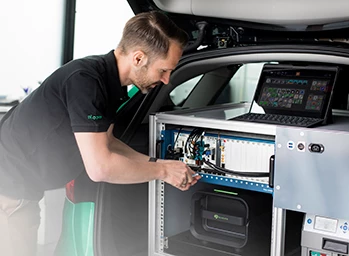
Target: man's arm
{"x":121,"y":148}
{"x":110,"y":160}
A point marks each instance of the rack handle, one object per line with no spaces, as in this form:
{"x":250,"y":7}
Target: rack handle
{"x":271,"y":171}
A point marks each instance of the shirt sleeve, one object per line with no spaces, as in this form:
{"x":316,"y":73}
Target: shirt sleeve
{"x":86,"y":100}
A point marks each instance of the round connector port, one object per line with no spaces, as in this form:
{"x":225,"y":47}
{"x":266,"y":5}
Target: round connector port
{"x":316,"y":148}
{"x":300,"y":146}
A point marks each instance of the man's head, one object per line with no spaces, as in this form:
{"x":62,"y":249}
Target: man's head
{"x":152,"y":45}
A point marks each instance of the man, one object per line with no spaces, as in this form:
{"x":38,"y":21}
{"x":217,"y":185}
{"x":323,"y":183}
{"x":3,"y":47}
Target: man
{"x":65,"y":127}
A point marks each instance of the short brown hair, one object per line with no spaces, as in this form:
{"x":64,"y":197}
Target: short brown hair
{"x":152,"y":32}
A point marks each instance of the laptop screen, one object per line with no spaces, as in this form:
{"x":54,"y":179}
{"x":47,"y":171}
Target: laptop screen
{"x":294,"y":90}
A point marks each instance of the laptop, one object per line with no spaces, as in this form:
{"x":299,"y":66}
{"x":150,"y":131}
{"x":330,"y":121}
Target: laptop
{"x":293,"y":95}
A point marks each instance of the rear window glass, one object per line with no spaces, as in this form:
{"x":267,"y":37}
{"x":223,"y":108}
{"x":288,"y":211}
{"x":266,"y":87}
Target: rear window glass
{"x":239,"y":87}
{"x":181,"y":92}
{"x":242,"y":85}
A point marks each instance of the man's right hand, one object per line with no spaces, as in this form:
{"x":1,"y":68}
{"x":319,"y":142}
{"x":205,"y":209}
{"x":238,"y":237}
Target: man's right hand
{"x":178,"y":174}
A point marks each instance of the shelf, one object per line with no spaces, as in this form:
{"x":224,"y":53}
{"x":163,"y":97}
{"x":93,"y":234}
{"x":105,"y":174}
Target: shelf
{"x":254,"y":184}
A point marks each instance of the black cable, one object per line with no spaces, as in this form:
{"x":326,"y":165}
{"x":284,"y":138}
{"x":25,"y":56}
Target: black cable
{"x":171,"y":149}
{"x":238,"y":173}
{"x":179,"y":132}
{"x":193,"y":136}
{"x":175,"y":141}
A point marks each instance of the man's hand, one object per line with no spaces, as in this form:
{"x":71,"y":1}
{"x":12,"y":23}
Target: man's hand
{"x":178,"y":174}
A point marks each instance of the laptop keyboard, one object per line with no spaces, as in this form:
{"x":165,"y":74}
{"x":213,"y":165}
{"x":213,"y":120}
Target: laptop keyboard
{"x":279,"y":119}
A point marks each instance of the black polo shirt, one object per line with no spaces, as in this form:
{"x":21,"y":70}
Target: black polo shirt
{"x":38,"y":150}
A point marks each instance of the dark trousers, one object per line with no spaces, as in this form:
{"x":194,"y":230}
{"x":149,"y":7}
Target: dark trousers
{"x":19,"y":223}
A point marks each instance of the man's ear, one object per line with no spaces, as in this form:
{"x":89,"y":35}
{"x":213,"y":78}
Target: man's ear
{"x":140,"y":58}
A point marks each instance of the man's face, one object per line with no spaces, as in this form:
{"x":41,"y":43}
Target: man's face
{"x":158,"y":71}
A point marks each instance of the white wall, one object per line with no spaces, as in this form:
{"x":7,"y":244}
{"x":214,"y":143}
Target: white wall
{"x":31,"y":43}
{"x":30,"y":50}
{"x":99,"y":25}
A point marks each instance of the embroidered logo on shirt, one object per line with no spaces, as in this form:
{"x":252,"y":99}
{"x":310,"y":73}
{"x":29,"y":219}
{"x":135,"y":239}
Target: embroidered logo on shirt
{"x":92,"y":117}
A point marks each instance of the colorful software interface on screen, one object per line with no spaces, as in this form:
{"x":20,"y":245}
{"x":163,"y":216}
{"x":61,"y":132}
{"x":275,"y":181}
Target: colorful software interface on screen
{"x":294,"y":91}
{"x":291,"y":93}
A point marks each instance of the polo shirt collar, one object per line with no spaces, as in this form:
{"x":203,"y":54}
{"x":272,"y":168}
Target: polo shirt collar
{"x":113,"y":80}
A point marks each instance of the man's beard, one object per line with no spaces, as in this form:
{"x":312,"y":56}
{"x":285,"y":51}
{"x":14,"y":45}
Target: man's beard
{"x":142,"y":82}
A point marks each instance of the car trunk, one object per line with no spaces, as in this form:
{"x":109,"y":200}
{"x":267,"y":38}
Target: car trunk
{"x":122,"y":210}
{"x":121,"y":219}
